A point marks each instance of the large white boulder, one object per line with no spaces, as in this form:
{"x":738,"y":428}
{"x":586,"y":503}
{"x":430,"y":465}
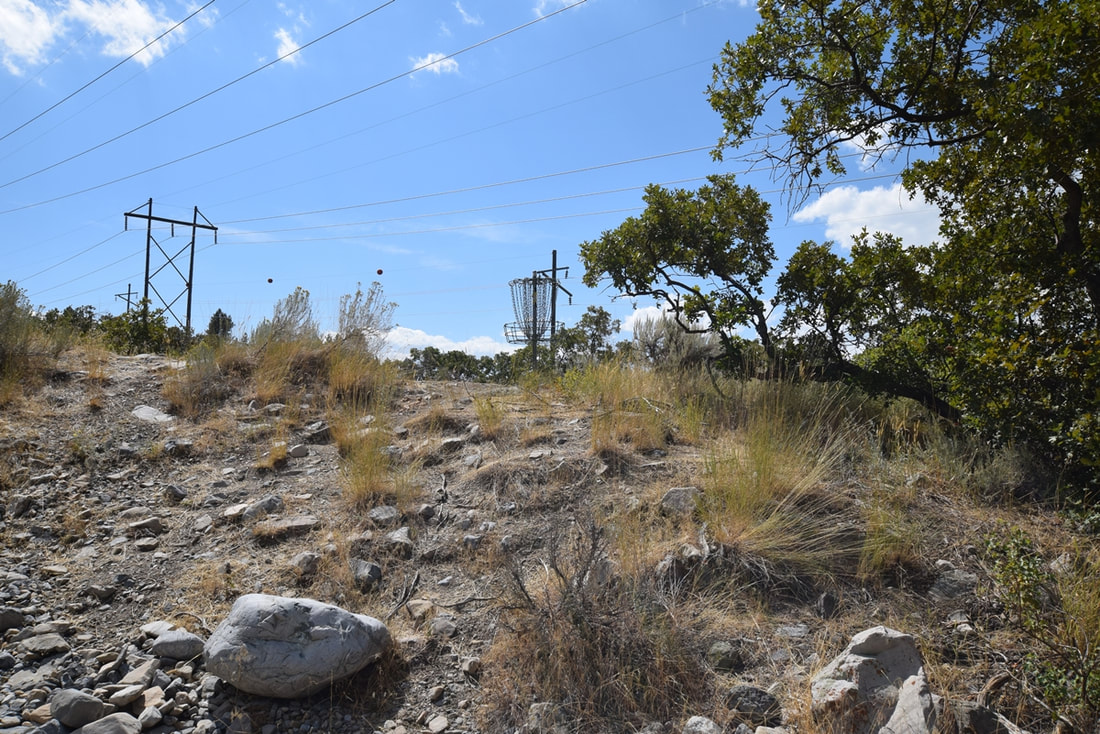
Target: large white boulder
{"x":290,"y":648}
{"x":877,"y":685}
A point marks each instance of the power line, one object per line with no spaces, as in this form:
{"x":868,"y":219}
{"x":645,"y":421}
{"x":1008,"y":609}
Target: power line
{"x":193,"y":101}
{"x":93,"y":81}
{"x":292,"y":118}
{"x":71,"y":257}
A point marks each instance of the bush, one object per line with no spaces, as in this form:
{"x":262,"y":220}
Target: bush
{"x":137,"y":331}
{"x":601,"y":644}
{"x":25,"y":351}
{"x":1058,"y":607}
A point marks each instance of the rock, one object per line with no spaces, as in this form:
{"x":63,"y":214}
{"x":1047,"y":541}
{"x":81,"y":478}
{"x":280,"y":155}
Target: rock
{"x":119,"y":723}
{"x":973,"y":718}
{"x":126,"y":695}
{"x":75,"y":708}
{"x":175,"y":493}
{"x":150,"y":415}
{"x":701,"y":725}
{"x":952,"y":584}
{"x":366,"y":575}
{"x":283,"y":527}
{"x":298,"y":451}
{"x":753,"y":706}
{"x":149,"y":525}
{"x":40,"y":646}
{"x":680,"y":501}
{"x":386,"y":516}
{"x":266,"y":506}
{"x":877,"y":680}
{"x":290,"y":648}
{"x":178,"y":447}
{"x":306,"y":563}
{"x":400,"y":542}
{"x":142,"y":675}
{"x":438,"y":724}
{"x":10,"y":619}
{"x":725,"y":657}
{"x":178,"y":644}
{"x":546,"y":718}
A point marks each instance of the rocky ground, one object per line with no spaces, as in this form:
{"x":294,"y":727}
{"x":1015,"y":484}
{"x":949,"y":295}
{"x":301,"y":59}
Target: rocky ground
{"x":120,"y":522}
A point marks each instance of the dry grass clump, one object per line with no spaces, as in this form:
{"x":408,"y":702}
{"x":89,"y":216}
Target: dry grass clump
{"x":490,"y":417}
{"x":770,"y":488}
{"x":597,"y":643}
{"x":199,"y":387}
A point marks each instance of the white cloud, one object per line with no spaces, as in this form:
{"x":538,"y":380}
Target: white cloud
{"x":287,"y":45}
{"x":640,"y":315}
{"x":126,"y":26}
{"x":26,"y":31}
{"x":542,"y":7}
{"x":466,"y":17}
{"x":436,"y":63}
{"x":401,"y":339}
{"x":847,"y":210}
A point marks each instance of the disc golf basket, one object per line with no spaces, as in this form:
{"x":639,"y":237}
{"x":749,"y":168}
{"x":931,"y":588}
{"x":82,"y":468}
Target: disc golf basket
{"x":533,"y":303}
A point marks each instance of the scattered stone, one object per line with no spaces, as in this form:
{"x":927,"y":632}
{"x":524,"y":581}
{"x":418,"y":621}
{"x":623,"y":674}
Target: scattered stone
{"x":753,"y":706}
{"x":178,"y":447}
{"x":10,"y":619}
{"x":438,"y":724}
{"x":306,"y":564}
{"x":953,"y":583}
{"x":120,"y":723}
{"x":178,"y":644}
{"x":701,"y":725}
{"x":878,"y":680}
{"x":366,"y":575}
{"x":150,"y":415}
{"x":680,"y":501}
{"x":40,"y":646}
{"x":266,"y":506}
{"x":298,"y":451}
{"x":725,"y":657}
{"x":400,"y":542}
{"x":75,"y":708}
{"x":289,"y":648}
{"x":385,"y":516}
{"x":283,"y":527}
{"x":175,"y":493}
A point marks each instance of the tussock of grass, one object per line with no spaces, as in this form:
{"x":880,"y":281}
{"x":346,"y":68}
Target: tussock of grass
{"x":599,"y":642}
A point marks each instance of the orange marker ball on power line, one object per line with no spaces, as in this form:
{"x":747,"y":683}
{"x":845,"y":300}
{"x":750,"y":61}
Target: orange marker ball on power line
{"x":269,"y":280}
{"x":379,"y":271}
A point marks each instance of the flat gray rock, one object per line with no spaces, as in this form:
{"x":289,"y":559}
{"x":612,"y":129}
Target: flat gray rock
{"x":113,"y":724}
{"x":178,"y":644}
{"x":151,"y":415}
{"x":291,"y":648}
{"x":74,"y":708}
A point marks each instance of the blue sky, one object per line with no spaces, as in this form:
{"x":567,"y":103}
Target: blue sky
{"x":454,"y":145}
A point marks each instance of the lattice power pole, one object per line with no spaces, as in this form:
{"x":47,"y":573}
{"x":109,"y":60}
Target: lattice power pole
{"x":170,"y":260}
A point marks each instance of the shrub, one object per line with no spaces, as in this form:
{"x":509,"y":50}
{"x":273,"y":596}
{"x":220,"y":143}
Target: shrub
{"x":25,"y":352}
{"x":1060,"y":611}
{"x":599,"y":643}
{"x":136,"y":331}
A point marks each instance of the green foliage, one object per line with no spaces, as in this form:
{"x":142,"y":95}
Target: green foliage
{"x":587,"y":341}
{"x":75,"y":320}
{"x":430,"y":363}
{"x":24,"y":350}
{"x":136,"y":331}
{"x":364,"y":319}
{"x":221,"y":325}
{"x":292,"y":320}
{"x":1060,"y":611}
{"x":715,"y":237}
{"x":992,"y":110}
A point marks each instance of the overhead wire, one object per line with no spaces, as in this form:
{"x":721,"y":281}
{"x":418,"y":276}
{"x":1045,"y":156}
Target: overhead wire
{"x":69,"y":96}
{"x":292,"y":118}
{"x":185,"y":105}
{"x":425,"y":108}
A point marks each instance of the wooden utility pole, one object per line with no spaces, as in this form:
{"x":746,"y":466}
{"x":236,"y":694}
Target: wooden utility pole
{"x":170,"y":260}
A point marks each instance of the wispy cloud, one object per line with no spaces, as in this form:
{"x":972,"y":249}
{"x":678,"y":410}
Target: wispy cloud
{"x":847,"y":210}
{"x":287,"y":45}
{"x":436,"y":63}
{"x":466,"y":17}
{"x":26,"y":32}
{"x":542,"y":7}
{"x":125,"y":26}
